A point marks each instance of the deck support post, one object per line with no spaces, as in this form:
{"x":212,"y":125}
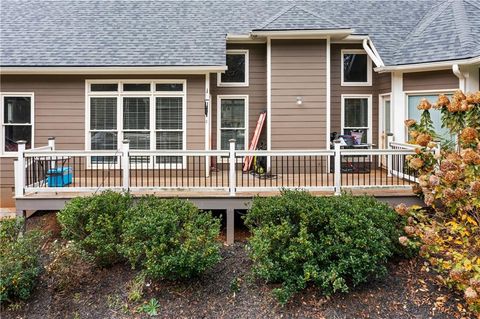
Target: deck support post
{"x":337,"y":168}
{"x":231,"y":170}
{"x":19,"y":167}
{"x":389,"y":157}
{"x":125,"y":165}
{"x":230,"y":226}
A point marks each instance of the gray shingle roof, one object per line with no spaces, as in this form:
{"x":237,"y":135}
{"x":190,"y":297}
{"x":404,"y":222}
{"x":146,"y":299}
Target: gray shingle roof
{"x":186,"y":33}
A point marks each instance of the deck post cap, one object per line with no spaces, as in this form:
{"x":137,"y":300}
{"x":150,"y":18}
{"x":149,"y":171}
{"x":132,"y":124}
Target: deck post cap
{"x":232,"y":140}
{"x":337,"y":141}
{"x":51,"y":138}
{"x":389,"y":134}
{"x":22,"y":142}
{"x":125,"y":141}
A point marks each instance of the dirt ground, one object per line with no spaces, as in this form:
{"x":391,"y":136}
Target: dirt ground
{"x":230,"y":291}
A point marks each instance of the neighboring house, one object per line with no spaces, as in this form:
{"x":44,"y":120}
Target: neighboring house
{"x":178,"y":75}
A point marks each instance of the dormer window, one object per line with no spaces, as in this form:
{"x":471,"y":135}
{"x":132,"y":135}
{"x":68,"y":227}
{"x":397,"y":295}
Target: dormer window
{"x":237,"y":73}
{"x":356,"y":68}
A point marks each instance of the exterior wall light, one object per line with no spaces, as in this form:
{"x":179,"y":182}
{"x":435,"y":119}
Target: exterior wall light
{"x":299,"y":100}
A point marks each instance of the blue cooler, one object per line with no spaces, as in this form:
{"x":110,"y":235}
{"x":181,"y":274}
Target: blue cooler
{"x":59,"y":177}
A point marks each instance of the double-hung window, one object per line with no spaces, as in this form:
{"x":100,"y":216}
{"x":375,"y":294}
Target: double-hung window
{"x":232,"y":121}
{"x":17,"y":120}
{"x":237,"y":73}
{"x":356,"y":68}
{"x":150,"y":114}
{"x":357,"y":116}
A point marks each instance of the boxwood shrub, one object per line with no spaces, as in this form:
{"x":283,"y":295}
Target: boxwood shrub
{"x":19,"y":260}
{"x":333,"y":242}
{"x":170,"y":238}
{"x":94,"y":223}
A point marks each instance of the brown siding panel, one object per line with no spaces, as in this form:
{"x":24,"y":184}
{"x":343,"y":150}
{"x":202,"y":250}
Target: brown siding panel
{"x":433,"y":80}
{"x":60,"y":112}
{"x":378,"y":81}
{"x":256,"y":91}
{"x":298,"y":69}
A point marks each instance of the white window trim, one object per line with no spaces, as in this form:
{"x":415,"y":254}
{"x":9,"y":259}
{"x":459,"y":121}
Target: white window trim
{"x":406,"y":94}
{"x":152,"y":94}
{"x":219,"y":104}
{"x":381,"y":121}
{"x":369,"y":68}
{"x":342,"y":116}
{"x":247,"y":71}
{"x":31,"y":95}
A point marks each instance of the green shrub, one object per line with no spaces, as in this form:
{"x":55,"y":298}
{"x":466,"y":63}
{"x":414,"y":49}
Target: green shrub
{"x":94,"y":223}
{"x":69,"y":267}
{"x":333,"y":242}
{"x":170,"y":239}
{"x":19,"y":260}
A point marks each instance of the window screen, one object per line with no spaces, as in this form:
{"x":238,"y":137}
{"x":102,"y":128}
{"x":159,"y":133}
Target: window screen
{"x":356,"y":116}
{"x":232,"y":123}
{"x":136,"y":113}
{"x":103,"y":113}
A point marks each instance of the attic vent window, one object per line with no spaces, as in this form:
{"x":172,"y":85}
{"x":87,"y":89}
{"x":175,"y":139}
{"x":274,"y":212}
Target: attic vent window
{"x":237,"y":73}
{"x":356,"y":68}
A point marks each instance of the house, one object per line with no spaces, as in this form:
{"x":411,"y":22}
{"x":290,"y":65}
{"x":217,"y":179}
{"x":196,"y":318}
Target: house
{"x":180,"y":79}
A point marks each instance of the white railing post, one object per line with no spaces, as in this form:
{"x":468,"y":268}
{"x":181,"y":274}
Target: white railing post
{"x":51,"y":144}
{"x":19,"y":167}
{"x":337,"y":173}
{"x":389,"y":157}
{"x":125,"y":165}
{"x":231,"y":170}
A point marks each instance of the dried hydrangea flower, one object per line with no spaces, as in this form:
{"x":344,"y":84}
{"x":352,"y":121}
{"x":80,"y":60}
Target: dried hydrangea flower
{"x":469,"y":135}
{"x":459,"y":96}
{"x":403,"y":240}
{"x":471,"y":295}
{"x":401,"y":209}
{"x":432,"y":145}
{"x":475,"y":187}
{"x":409,"y":230}
{"x":434,"y":180}
{"x":470,"y":156}
{"x":424,"y":105}
{"x":423,"y":139}
{"x":416,"y":163}
{"x":410,"y":122}
{"x":414,"y":134}
{"x":451,"y":177}
{"x":442,"y":101}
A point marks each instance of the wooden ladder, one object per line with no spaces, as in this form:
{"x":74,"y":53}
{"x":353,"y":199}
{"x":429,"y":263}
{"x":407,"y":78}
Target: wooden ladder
{"x":256,"y":137}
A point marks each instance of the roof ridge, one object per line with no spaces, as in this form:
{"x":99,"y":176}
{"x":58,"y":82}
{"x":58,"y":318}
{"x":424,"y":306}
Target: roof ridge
{"x":276,"y":16}
{"x":428,"y":18}
{"x":462,"y":25}
{"x":300,"y":7}
{"x":424,"y":22}
{"x":317,"y":15}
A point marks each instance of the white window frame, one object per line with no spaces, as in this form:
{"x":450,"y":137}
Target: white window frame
{"x":152,"y":95}
{"x":369,"y":68}
{"x":382,"y":98}
{"x":369,"y":101}
{"x":219,"y":120}
{"x":406,"y":94}
{"x":247,"y":71}
{"x":31,"y":95}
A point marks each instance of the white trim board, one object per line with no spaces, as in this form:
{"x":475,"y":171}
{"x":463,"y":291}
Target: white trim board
{"x":342,"y":113}
{"x":31,"y":95}
{"x":244,"y":97}
{"x":369,"y":68}
{"x":246,"y":53}
{"x":152,"y":94}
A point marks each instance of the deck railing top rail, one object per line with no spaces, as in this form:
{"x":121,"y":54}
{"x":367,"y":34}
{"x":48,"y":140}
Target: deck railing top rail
{"x":232,"y":170}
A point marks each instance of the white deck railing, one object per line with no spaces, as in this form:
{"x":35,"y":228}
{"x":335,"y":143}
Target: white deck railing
{"x":48,"y":170}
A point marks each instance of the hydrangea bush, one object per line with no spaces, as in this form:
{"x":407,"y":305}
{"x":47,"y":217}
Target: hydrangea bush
{"x":448,"y":232}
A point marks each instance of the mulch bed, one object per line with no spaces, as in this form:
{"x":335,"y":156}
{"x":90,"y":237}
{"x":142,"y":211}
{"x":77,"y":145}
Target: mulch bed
{"x":407,"y":292}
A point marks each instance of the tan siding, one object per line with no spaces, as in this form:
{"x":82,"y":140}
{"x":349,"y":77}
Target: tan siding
{"x":384,"y":82}
{"x":433,"y":80}
{"x":60,"y":110}
{"x":298,"y":69}
{"x":256,"y":91}
{"x":337,"y":90}
{"x":6,"y":182}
